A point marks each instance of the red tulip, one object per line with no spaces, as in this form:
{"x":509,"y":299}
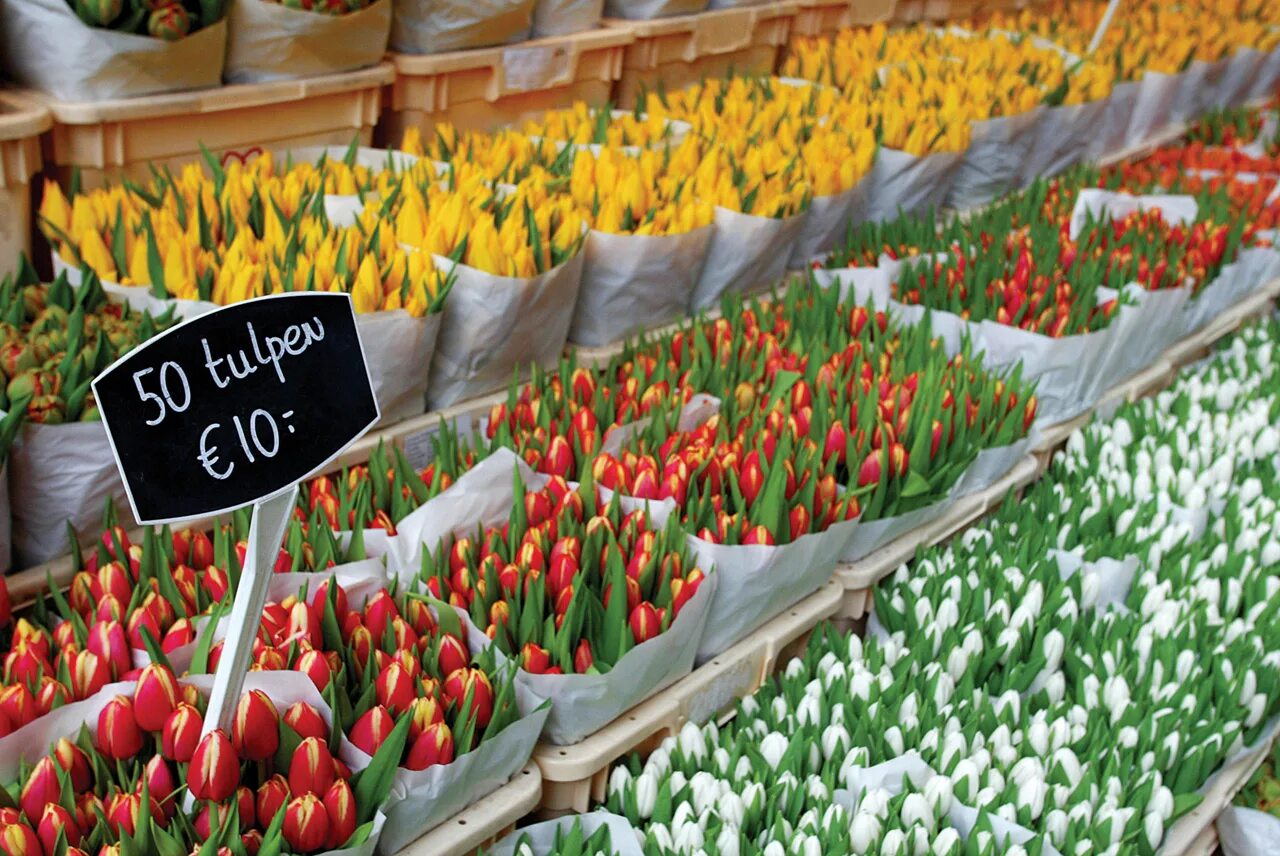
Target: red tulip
{"x":55,"y":819}
{"x":25,"y":665}
{"x":181,"y":733}
{"x":751,"y":477}
{"x":311,"y":769}
{"x":425,"y":712}
{"x":155,"y":696}
{"x":378,"y":613}
{"x":758,"y":535}
{"x":645,"y":623}
{"x":107,"y":639}
{"x":433,"y":746}
{"x":40,"y":788}
{"x":161,"y":783}
{"x":462,"y":681}
{"x":394,"y":688}
{"x":18,"y":839}
{"x":272,"y":796}
{"x":869,"y":471}
{"x":73,"y":760}
{"x":124,"y":813}
{"x":372,"y":729}
{"x":89,"y":673}
{"x":534,"y":659}
{"x":453,"y":655}
{"x":255,"y":731}
{"x":306,"y":721}
{"x":306,"y":824}
{"x":118,"y":734}
{"x":215,"y":768}
{"x":340,"y":806}
{"x":582,"y":659}
{"x":313,"y":664}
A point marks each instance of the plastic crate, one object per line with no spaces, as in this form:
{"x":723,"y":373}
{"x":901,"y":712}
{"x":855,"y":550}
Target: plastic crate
{"x":491,"y":88}
{"x":679,"y":51}
{"x":21,"y":124}
{"x":825,"y":17}
{"x":949,"y":10}
{"x":109,"y":139}
{"x":483,"y":822}
{"x":574,"y":777}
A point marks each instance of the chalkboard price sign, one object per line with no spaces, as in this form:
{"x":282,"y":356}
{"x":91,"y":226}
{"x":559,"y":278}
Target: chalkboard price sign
{"x":237,"y":404}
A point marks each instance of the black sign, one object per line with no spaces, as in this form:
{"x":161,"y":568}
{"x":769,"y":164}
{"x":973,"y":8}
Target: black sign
{"x":234,"y":405}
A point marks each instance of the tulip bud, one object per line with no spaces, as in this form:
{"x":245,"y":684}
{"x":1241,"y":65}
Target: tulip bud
{"x":394,"y":688}
{"x":55,"y":819}
{"x":453,"y":655}
{"x":425,"y":712}
{"x":272,"y":796}
{"x":473,"y":681}
{"x":74,"y":761}
{"x":181,"y":733}
{"x":89,"y":673}
{"x":433,"y":746}
{"x":340,"y":806}
{"x":306,"y":721}
{"x":306,"y":824}
{"x":118,"y":734}
{"x":311,"y":769}
{"x":582,"y":659}
{"x":18,"y":839}
{"x":372,"y":729}
{"x":155,"y":696}
{"x":534,"y":659}
{"x":161,"y":783}
{"x":215,"y":768}
{"x":40,"y":788}
{"x":107,"y":639}
{"x":255,"y":731}
{"x":313,"y":664}
{"x":645,"y":623}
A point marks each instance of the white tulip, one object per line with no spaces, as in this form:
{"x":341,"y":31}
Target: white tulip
{"x":772,"y":748}
{"x":727,"y":842}
{"x":646,"y":793}
{"x":774,"y":849}
{"x":864,"y":832}
{"x":661,"y":836}
{"x":619,"y":779}
{"x":938,"y":793}
{"x":894,"y":843}
{"x":916,"y":810}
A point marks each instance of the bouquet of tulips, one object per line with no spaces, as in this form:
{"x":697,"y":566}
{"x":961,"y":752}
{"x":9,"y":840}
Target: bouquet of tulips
{"x":128,"y":771}
{"x":573,"y":586}
{"x":57,"y":338}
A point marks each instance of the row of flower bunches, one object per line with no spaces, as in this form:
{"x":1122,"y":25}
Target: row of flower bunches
{"x":1065,"y":677}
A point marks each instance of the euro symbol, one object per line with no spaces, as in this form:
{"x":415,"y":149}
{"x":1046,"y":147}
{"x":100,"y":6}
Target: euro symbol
{"x":208,"y":458}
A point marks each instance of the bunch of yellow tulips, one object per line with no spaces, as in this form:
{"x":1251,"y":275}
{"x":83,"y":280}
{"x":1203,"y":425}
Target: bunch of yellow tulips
{"x":582,"y":125}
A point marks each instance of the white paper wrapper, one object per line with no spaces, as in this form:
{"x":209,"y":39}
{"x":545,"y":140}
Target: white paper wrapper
{"x":1243,"y":69}
{"x":1112,"y":132}
{"x":437,"y":26}
{"x":1145,"y":331}
{"x":45,"y":46}
{"x":1248,"y":832}
{"x":756,"y":582}
{"x":993,"y":162}
{"x":903,"y":183}
{"x":541,"y":837}
{"x":1096,"y":203}
{"x":826,"y":225}
{"x":494,"y":324}
{"x":1115,"y":576}
{"x":6,"y":523}
{"x":1236,"y":281}
{"x":1155,"y":106}
{"x":269,"y":41}
{"x":1195,"y":92}
{"x":562,"y":17}
{"x":633,"y":282}
{"x":643,"y":10}
{"x":583,"y":704}
{"x":421,"y":800}
{"x":60,"y":474}
{"x":1063,"y":137}
{"x":746,"y":254}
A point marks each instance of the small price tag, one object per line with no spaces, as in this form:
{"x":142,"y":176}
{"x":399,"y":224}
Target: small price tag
{"x":236,"y":404}
{"x":542,"y":67}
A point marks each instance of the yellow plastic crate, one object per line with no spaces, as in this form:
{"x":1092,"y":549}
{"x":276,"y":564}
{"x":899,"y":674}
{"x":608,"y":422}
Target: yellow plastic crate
{"x":109,"y":139}
{"x":22,"y":122}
